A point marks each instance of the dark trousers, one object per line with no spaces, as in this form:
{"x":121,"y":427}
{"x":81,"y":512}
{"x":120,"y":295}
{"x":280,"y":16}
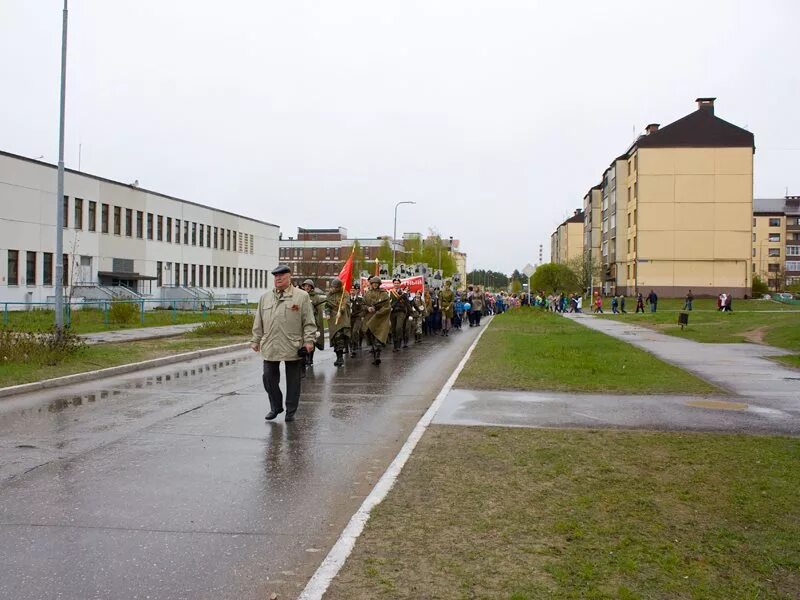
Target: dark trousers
{"x":476,"y":317}
{"x":272,"y":380}
{"x":398,"y":324}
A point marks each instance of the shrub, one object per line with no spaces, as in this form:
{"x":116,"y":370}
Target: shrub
{"x":44,"y":348}
{"x":123,"y":312}
{"x":759,"y":287}
{"x":226,"y":324}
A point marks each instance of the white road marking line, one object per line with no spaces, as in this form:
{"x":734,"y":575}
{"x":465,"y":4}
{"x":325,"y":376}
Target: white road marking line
{"x":330,"y":567}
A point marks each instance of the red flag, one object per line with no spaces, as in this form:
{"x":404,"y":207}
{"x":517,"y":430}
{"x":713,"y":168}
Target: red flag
{"x":346,"y":274}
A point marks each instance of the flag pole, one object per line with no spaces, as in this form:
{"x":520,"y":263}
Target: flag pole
{"x":341,"y":300}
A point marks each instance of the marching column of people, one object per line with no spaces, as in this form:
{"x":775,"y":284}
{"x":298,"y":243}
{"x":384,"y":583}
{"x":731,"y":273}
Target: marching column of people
{"x":290,"y":324}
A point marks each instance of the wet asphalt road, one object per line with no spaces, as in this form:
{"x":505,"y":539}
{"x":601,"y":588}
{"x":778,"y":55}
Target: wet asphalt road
{"x":169,"y":484}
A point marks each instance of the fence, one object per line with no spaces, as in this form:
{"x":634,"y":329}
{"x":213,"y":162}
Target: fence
{"x":98,"y":313}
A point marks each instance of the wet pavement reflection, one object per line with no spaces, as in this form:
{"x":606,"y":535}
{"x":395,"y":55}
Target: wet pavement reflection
{"x":170,"y":484}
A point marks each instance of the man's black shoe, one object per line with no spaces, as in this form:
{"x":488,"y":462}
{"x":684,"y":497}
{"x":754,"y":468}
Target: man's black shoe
{"x":272,"y":414}
{"x":289,"y":417}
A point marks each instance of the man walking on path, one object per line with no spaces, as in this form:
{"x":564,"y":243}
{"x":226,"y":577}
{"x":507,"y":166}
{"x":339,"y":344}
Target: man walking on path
{"x":376,"y":322}
{"x":478,"y":305}
{"x":652,"y":300}
{"x":338,"y":305}
{"x":318,"y":304}
{"x":284,"y":323}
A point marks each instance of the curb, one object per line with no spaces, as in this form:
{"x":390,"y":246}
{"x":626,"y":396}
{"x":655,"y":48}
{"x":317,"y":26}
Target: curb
{"x":118,"y":370}
{"x":332,"y":563}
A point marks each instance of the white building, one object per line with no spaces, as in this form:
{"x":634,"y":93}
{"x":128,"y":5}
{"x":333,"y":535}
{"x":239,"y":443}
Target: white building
{"x":121,"y":240}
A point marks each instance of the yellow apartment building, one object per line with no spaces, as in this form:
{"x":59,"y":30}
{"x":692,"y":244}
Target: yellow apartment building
{"x":689,"y":207}
{"x":776,"y":241}
{"x":613,"y":229}
{"x":566,"y":242}
{"x":592,"y":223}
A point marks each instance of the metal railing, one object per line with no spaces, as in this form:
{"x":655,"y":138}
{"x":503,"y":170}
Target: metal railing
{"x":187,"y":310}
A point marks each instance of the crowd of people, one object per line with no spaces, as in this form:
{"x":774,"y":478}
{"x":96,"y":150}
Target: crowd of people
{"x":290,"y":322}
{"x":375,"y":318}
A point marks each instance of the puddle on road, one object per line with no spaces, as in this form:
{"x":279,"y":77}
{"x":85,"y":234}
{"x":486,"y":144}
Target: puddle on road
{"x":717,"y":404}
{"x":75,"y":401}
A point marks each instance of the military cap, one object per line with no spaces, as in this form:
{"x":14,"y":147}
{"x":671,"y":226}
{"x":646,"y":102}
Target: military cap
{"x":375,"y":279}
{"x":357,"y":286}
{"x":308,"y":282}
{"x":336,"y":283}
{"x":397,"y":279}
{"x":281,"y":269}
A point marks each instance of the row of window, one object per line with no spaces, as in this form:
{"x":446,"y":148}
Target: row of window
{"x":776,"y":221}
{"x":189,"y":275}
{"x":32,"y":268}
{"x":336,"y":253}
{"x":772,"y":251}
{"x":157,"y":227}
{"x":180,"y":274}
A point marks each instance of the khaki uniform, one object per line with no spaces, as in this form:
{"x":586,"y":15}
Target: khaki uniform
{"x":318,"y":302}
{"x":357,"y":313}
{"x":447,"y":300}
{"x":377,"y":323}
{"x":339,"y":329}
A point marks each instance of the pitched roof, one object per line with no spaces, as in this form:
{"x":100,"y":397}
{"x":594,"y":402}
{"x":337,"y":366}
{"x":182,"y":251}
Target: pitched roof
{"x":700,"y":129}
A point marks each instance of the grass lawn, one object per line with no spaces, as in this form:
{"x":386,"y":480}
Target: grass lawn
{"x":100,"y":356}
{"x":89,"y":320}
{"x":529,"y":349}
{"x":522,"y":514}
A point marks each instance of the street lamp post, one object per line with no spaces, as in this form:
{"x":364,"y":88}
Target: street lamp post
{"x":394,"y":234}
{"x":59,"y":260}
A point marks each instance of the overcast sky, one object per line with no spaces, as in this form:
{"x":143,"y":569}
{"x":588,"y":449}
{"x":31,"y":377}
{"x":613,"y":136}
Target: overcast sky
{"x":495,"y":117}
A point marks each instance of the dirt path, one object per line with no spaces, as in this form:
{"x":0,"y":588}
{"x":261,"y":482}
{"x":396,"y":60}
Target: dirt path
{"x":756,"y":336}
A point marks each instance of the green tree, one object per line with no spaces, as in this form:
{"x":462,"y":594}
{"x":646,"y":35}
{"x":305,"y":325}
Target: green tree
{"x":759,"y":287}
{"x":586,"y":270}
{"x":432,"y":251}
{"x":492,"y":279}
{"x":554,"y":278}
{"x":385,"y":253}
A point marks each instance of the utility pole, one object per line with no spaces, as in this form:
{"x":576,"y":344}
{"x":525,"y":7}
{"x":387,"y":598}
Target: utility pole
{"x":59,"y":253}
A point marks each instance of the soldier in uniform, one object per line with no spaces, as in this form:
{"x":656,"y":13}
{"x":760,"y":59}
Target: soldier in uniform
{"x":478,"y":304}
{"x":318,"y":303}
{"x":283,"y":328}
{"x":338,"y":304}
{"x":357,"y":312}
{"x":447,"y":300}
{"x":399,"y":315}
{"x":376,"y":321}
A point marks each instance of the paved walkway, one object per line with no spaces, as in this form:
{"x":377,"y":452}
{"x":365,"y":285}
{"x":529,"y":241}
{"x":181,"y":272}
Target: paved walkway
{"x":765,"y":396}
{"x":133,"y":335}
{"x":744,"y":369}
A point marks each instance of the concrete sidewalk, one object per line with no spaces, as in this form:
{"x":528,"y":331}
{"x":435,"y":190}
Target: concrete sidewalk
{"x":766,"y":395}
{"x":134,"y":335}
{"x":744,"y":369}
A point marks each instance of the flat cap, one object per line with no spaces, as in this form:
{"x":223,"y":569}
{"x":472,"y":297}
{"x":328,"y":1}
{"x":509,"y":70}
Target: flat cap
{"x":281,"y":269}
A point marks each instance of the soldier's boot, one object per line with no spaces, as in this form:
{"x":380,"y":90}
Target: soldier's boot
{"x":339,"y":358}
